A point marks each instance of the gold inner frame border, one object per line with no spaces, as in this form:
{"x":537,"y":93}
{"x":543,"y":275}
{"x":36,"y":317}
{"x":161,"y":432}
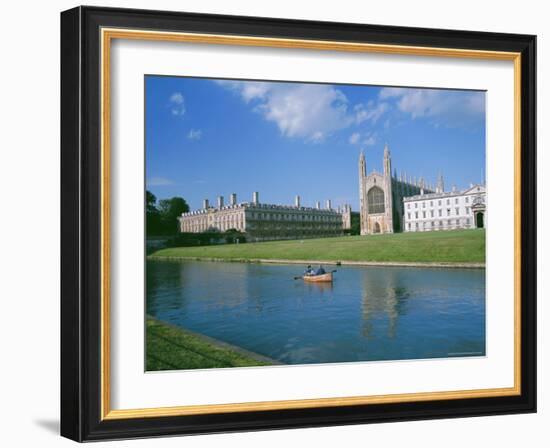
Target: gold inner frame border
{"x":107,"y":35}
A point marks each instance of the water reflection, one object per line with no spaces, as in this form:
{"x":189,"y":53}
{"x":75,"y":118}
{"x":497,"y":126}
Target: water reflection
{"x":366,"y":314}
{"x":320,"y":287}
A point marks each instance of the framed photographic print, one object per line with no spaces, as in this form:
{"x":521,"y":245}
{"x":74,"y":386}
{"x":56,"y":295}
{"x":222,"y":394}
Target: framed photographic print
{"x":273,"y":223}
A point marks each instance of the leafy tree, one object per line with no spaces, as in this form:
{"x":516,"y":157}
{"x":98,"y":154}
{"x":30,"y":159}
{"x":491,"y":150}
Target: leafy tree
{"x":355,"y":224}
{"x":170,"y":210}
{"x":150,"y":202}
{"x":152,"y":215}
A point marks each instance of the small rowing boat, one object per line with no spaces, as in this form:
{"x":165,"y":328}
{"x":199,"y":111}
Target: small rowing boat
{"x":327,"y":277}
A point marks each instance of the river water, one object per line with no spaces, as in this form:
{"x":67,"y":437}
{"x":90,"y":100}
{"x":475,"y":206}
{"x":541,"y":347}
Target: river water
{"x":367,"y":314}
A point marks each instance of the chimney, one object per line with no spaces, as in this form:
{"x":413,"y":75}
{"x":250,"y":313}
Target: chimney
{"x":220,"y":201}
{"x":329,"y":205}
{"x":256,"y":198}
{"x":318,"y":205}
{"x":233,"y":198}
{"x":297,"y":201}
{"x":205,"y":204}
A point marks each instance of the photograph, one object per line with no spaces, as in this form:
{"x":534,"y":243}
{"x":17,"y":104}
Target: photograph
{"x":293,"y":223}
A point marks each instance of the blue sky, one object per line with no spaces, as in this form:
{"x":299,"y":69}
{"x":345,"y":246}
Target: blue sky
{"x":207,"y":137}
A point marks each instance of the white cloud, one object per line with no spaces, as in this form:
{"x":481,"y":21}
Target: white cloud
{"x":354,"y":138}
{"x":194,"y":134}
{"x":370,"y":140}
{"x":451,"y":108}
{"x":364,"y":139}
{"x":176,"y":98}
{"x":254,"y":90}
{"x":249,"y":90}
{"x":177,"y":104}
{"x":313,"y":112}
{"x":370,"y":112}
{"x":159,"y":182}
{"x":308,"y":111}
{"x":391,"y":92}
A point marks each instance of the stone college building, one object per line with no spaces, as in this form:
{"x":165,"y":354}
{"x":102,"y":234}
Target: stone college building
{"x":446,"y":211}
{"x":390,"y":204}
{"x":387,"y":203}
{"x":268,"y":221}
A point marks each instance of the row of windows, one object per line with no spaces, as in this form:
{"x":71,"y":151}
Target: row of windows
{"x":296,"y":226}
{"x":439,"y":213}
{"x":294,"y":217}
{"x":439,"y":202}
{"x":203,"y":228}
{"x":203,"y":223}
{"x":227,"y":222}
{"x":434,"y":224}
{"x":237,"y":221}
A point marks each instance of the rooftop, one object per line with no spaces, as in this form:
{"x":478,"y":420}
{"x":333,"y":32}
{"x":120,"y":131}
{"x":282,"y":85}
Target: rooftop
{"x":470,"y":190}
{"x":261,"y":206}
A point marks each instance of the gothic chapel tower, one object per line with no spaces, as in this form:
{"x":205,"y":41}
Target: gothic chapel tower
{"x":376,"y":201}
{"x":363,"y":194}
{"x":388,"y":193}
{"x":381,"y":196}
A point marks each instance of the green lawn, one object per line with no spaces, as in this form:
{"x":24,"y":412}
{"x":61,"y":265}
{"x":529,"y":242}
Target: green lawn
{"x":169,"y":348}
{"x":466,"y":246}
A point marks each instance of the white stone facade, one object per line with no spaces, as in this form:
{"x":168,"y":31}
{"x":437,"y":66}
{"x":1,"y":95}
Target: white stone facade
{"x":464,"y":209}
{"x":267,"y":221}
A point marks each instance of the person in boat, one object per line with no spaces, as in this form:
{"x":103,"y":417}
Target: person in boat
{"x":309,"y":270}
{"x":320,"y":271}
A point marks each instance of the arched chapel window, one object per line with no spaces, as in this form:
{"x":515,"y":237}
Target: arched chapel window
{"x":375,"y":198}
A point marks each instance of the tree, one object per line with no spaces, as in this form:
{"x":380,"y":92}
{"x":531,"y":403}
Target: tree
{"x":355,"y":224}
{"x":152,"y":215}
{"x":169,"y":211}
{"x":150,"y":202}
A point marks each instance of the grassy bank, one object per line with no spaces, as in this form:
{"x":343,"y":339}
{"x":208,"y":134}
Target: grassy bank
{"x":460,"y":246}
{"x":170,"y":348}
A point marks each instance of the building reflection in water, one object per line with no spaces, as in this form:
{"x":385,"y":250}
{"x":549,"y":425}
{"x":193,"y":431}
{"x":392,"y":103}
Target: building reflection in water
{"x":383,"y":298}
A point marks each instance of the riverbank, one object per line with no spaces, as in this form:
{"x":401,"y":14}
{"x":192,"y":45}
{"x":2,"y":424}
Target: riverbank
{"x":172,"y":348}
{"x":460,"y":248}
{"x":399,"y":264}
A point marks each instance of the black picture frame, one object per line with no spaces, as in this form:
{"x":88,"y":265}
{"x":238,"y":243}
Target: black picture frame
{"x":81,"y":224}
